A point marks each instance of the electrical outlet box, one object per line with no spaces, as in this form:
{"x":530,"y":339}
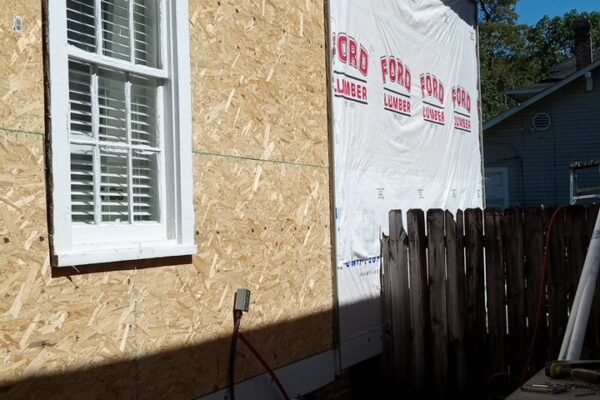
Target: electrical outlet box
{"x":18,"y":24}
{"x":242,"y":300}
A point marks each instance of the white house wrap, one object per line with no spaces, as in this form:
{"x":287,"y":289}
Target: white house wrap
{"x":406,"y":130}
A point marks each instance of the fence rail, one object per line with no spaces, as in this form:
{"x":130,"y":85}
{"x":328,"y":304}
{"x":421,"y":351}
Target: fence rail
{"x":460,"y":296}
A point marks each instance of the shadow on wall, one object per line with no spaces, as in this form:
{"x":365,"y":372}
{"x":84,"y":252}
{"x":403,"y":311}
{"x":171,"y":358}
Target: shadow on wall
{"x":467,"y":14}
{"x":182,"y":373}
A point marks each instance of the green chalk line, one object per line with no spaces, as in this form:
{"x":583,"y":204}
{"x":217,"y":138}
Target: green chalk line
{"x":200,"y":153}
{"x":22,"y":131}
{"x":208,"y":153}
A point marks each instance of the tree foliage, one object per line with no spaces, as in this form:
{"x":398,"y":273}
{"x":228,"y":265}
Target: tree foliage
{"x":513,"y":55}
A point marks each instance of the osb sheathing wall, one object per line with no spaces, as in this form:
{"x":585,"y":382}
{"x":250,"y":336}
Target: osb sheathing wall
{"x":262,"y":218}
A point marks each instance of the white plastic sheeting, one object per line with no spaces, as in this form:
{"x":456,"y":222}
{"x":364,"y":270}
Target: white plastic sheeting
{"x":406,"y":132}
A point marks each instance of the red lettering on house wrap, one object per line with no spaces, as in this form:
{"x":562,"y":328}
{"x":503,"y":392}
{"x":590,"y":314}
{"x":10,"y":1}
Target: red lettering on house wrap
{"x":397,"y":85}
{"x":396,"y":103}
{"x":435,"y":115}
{"x":432,"y":88}
{"x":461,"y":101}
{"x":461,"y":98}
{"x":350,"y":90}
{"x":352,"y":53}
{"x":395,"y":71}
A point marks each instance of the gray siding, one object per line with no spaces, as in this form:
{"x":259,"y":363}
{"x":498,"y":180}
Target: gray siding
{"x":538,"y":162}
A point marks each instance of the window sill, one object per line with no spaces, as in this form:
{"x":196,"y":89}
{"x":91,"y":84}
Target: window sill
{"x":84,"y":256}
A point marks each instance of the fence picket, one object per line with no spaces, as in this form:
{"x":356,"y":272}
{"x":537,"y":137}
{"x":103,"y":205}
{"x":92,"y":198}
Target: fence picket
{"x":456,"y":304}
{"x":476,"y":330}
{"x":512,"y":226}
{"x":419,"y":303}
{"x":534,"y":255}
{"x":496,"y":302}
{"x":387,"y":311}
{"x":576,"y":240}
{"x":437,"y":298}
{"x":557,"y":283}
{"x":400,"y":300}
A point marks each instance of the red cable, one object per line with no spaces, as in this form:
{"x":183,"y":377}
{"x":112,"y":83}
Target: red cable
{"x":265,"y":366}
{"x":541,"y":296}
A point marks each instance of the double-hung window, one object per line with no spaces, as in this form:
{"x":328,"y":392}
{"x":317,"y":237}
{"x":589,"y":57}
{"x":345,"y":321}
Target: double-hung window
{"x":118,"y":130}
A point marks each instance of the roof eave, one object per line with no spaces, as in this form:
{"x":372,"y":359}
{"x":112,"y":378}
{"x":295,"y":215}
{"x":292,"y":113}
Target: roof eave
{"x":508,"y":113}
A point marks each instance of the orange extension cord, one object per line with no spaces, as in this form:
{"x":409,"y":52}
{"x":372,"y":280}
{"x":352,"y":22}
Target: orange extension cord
{"x":265,"y":366}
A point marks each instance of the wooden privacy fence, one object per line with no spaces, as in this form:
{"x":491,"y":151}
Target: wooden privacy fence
{"x":460,"y":295}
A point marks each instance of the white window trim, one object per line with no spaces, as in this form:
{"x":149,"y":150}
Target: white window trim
{"x":74,"y":245}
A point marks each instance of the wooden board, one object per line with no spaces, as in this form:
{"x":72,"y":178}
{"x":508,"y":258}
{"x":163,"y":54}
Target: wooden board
{"x":576,"y":240}
{"x":399,"y":299}
{"x":419,"y":299}
{"x":558,"y":278}
{"x":512,"y":226}
{"x":387,"y":312}
{"x":436,"y":261}
{"x":496,"y":302}
{"x":456,"y":302}
{"x":534,"y":255}
{"x":262,"y":221}
{"x":475,"y":298}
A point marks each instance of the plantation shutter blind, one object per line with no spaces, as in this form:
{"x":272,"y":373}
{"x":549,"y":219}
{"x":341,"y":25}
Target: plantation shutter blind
{"x":117,"y":153}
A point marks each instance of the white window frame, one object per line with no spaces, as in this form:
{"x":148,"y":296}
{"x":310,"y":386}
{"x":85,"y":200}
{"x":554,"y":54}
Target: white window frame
{"x":72,"y":245}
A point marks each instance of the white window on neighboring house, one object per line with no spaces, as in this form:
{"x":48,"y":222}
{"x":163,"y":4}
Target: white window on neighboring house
{"x":496,"y":187}
{"x":119,"y":130}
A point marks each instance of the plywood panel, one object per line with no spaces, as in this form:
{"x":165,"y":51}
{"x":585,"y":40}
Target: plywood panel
{"x":261,"y":226}
{"x":21,"y":78}
{"x":49,"y":325}
{"x":258,"y":71}
{"x":258,"y":76}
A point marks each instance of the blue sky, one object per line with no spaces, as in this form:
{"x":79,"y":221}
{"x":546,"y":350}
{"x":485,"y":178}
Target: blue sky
{"x":531,"y":11}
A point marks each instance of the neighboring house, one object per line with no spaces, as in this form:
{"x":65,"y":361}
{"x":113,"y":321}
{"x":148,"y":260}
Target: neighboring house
{"x":529,"y":148}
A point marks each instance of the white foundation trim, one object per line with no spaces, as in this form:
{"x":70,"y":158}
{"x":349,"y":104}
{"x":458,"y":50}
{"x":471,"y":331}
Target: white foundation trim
{"x":299,"y":378}
{"x":361,"y":348}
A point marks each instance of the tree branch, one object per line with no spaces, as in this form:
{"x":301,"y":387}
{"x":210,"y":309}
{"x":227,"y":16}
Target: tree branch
{"x":488,"y":16}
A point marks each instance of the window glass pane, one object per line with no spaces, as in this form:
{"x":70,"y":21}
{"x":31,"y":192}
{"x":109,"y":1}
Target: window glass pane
{"x":82,"y":184}
{"x":117,"y":108}
{"x":112,"y":107}
{"x":114,"y":187}
{"x":143,"y":112}
{"x":145,"y":186}
{"x":115,"y":29}
{"x":81,"y":25}
{"x":145,"y":30}
{"x":496,"y":188}
{"x":80,"y":100}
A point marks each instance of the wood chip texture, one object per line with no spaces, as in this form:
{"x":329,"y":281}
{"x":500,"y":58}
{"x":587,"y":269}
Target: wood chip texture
{"x":261,"y":195}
